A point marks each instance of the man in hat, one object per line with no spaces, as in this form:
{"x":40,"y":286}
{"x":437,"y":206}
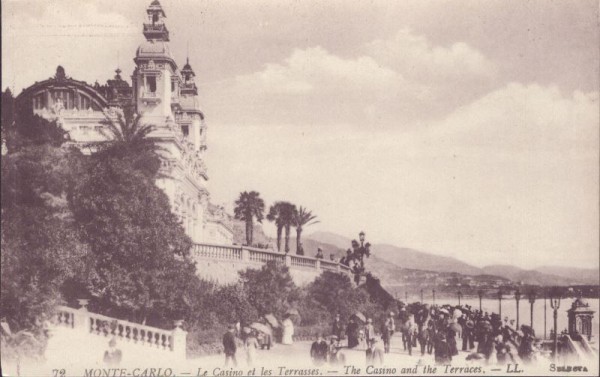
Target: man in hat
{"x":319,"y":351}
{"x":319,"y":254}
{"x":229,"y":346}
{"x":337,"y":327}
{"x":113,"y":355}
{"x":389,"y":328}
{"x":352,"y":333}
{"x":468,"y":334}
{"x":374,"y":353}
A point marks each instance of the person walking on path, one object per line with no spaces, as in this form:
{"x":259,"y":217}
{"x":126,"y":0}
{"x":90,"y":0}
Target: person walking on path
{"x":374,"y":353}
{"x":229,"y":347}
{"x":251,"y":344}
{"x":337,"y":327}
{"x":389,"y":328}
{"x":442,"y":350}
{"x":113,"y":355}
{"x":352,"y":333}
{"x":369,"y":331}
{"x":288,"y":331}
{"x":319,"y":351}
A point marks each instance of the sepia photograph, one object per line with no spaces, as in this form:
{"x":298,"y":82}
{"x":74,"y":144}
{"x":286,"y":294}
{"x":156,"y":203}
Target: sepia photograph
{"x":218,"y":188}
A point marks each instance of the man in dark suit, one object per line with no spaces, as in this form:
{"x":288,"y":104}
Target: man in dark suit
{"x":229,"y":345}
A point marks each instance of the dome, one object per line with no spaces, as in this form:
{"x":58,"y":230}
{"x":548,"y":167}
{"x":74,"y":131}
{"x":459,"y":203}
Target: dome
{"x":156,"y":49}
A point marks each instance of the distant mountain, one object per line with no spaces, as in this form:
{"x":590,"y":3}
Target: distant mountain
{"x":403,"y":257}
{"x":588,"y":275}
{"x":536,"y":277}
{"x":393,"y":261}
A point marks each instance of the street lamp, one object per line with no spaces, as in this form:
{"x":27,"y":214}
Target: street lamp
{"x":531,"y":302}
{"x":517,"y":298}
{"x":480,"y":294}
{"x":433,"y":291}
{"x":421,"y":296}
{"x":500,"y":302}
{"x":545,"y":296}
{"x":459,"y":296}
{"x":555,"y":304}
{"x":406,"y":296}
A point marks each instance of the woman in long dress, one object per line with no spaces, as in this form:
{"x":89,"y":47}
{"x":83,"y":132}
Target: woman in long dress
{"x":251,"y":344}
{"x":288,"y":331}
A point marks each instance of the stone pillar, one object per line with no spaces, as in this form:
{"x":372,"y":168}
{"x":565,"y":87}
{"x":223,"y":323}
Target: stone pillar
{"x":318,"y":265}
{"x":179,"y":341}
{"x":288,"y":260}
{"x":245,"y":255}
{"x":81,"y":318}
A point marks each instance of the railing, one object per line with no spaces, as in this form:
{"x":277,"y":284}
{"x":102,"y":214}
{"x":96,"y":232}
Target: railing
{"x":217,"y":251}
{"x":298,"y":261}
{"x":252,"y":255}
{"x":329,"y":265}
{"x":264,"y":256}
{"x":100,"y":325}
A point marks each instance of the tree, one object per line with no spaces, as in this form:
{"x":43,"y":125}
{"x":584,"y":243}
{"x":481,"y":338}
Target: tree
{"x":282,"y":213}
{"x":270,"y":289}
{"x":41,"y":245}
{"x":302,"y":218}
{"x":138,"y":243}
{"x":247,"y":207}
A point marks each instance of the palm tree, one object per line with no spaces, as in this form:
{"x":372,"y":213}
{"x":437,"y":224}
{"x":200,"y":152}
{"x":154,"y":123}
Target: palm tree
{"x":303,"y":217}
{"x":282,"y":213}
{"x":247,"y":207}
{"x":125,"y":134}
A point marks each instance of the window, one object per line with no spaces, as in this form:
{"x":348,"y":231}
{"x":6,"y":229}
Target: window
{"x":151,"y":84}
{"x":185,"y":130}
{"x":172,"y":86}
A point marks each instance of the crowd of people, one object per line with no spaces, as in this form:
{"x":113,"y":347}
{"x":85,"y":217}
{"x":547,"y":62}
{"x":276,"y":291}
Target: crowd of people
{"x":440,"y":331}
{"x":433,"y":330}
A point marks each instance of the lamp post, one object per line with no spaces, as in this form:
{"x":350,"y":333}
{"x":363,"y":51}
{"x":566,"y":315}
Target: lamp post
{"x":433,"y":291}
{"x":421,"y":296}
{"x":517,"y":298}
{"x":406,"y":296}
{"x":480,"y":294}
{"x":555,"y":304}
{"x":531,"y":302}
{"x":545,"y":296}
{"x":500,"y":302}
{"x":459,"y":296}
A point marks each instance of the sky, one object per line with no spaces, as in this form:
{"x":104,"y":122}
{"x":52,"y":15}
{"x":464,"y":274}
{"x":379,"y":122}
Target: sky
{"x":461,"y":128}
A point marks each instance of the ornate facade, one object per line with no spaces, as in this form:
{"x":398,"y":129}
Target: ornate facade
{"x":167,"y":98}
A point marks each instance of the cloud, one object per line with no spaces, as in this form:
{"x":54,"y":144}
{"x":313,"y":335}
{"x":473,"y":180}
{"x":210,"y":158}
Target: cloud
{"x":389,"y":82}
{"x":421,"y":60}
{"x":312,"y":69}
{"x":509,"y":178}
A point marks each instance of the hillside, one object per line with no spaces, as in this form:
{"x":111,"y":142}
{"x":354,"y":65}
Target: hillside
{"x":392,"y":264}
{"x":407,"y":258}
{"x":589,"y":275}
{"x":535,"y":277}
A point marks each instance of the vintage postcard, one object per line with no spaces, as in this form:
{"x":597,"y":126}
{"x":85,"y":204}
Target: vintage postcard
{"x":300,"y":188}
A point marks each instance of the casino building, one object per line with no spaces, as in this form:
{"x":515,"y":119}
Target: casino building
{"x":167,"y":98}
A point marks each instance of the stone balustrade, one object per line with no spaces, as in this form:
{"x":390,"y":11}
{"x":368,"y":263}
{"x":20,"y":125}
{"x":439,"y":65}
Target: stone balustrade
{"x":236,"y":258}
{"x":93,"y":324}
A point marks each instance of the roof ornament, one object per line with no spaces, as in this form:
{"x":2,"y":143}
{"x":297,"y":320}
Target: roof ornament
{"x":60,"y":73}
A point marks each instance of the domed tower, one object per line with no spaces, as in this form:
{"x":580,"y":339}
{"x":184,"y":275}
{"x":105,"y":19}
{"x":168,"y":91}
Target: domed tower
{"x":155,"y":78}
{"x":189,"y":114}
